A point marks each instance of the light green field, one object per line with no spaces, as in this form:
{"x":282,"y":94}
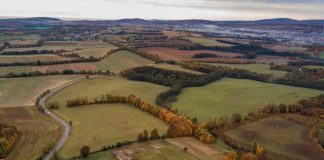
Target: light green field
{"x":279,"y":136}
{"x":24,"y":91}
{"x":19,"y":37}
{"x":32,"y":58}
{"x":95,"y":52}
{"x":175,"y":68}
{"x":122,"y":60}
{"x":227,"y":96}
{"x":207,"y":42}
{"x":51,"y":45}
{"x":112,"y":85}
{"x":106,"y":124}
{"x":314,"y":67}
{"x":321,"y":55}
{"x":258,"y":68}
{"x":99,"y":156}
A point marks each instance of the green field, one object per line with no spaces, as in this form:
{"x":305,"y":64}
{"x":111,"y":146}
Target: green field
{"x":106,"y":124}
{"x":313,"y":67}
{"x":24,"y":91}
{"x":122,"y":60}
{"x":19,"y":37}
{"x":227,"y":96}
{"x":279,"y":136}
{"x":32,"y":58}
{"x":175,"y":68}
{"x":258,"y":68}
{"x":207,"y":42}
{"x":321,"y":55}
{"x":113,"y":85}
{"x":51,"y":45}
{"x":94,"y":52}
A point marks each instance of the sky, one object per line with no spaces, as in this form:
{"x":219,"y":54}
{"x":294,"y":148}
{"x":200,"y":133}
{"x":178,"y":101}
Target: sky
{"x":165,"y":9}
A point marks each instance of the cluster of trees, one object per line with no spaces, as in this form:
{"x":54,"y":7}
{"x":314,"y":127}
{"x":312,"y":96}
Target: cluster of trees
{"x":204,"y":55}
{"x":282,"y":67}
{"x":154,"y":58}
{"x":249,"y":50}
{"x":306,"y":62}
{"x":307,"y":74}
{"x":203,"y":135}
{"x":318,"y":135}
{"x":77,"y":102}
{"x":38,"y":73}
{"x":8,"y":136}
{"x":53,"y":105}
{"x":142,"y":137}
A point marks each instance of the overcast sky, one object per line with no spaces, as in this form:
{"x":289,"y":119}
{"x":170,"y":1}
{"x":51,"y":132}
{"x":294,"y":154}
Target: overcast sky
{"x":165,"y":9}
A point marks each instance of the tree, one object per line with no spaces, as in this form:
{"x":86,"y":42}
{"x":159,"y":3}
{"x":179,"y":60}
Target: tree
{"x":180,"y":128}
{"x":85,"y":151}
{"x":145,"y":136}
{"x":236,"y":118}
{"x":154,"y":134}
{"x":255,"y":146}
{"x":140,"y":137}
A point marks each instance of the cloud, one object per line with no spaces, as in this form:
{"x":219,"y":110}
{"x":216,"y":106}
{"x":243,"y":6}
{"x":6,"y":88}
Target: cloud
{"x":167,"y":9}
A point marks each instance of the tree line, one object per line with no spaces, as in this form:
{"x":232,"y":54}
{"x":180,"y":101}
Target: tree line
{"x":64,"y":72}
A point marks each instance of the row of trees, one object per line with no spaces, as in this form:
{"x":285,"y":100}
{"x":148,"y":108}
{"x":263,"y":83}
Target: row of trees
{"x":8,"y":136}
{"x":38,"y":73}
{"x":142,"y":137}
{"x":29,"y":52}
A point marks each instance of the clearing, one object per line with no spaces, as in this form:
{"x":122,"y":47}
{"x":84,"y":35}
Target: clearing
{"x":227,"y":96}
{"x":105,"y":124}
{"x":279,"y":136}
{"x":258,"y":68}
{"x":113,"y":85}
{"x":24,"y":91}
{"x":38,"y":131}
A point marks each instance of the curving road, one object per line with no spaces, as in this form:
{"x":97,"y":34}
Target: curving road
{"x":66,"y":125}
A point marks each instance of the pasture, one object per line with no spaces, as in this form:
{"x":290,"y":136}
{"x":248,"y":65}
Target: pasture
{"x":258,"y":68}
{"x":113,"y":85}
{"x":38,"y":131}
{"x":94,"y":52}
{"x":183,"y":55}
{"x":207,"y":42}
{"x":19,"y":37}
{"x":174,"y":67}
{"x":105,"y":124}
{"x":227,"y":96}
{"x":278,"y":136}
{"x":51,"y":45}
{"x":31,"y":58}
{"x":24,"y":91}
{"x":122,"y":60}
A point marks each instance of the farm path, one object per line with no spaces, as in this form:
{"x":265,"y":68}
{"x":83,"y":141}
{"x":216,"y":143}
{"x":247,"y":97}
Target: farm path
{"x":66,"y":125}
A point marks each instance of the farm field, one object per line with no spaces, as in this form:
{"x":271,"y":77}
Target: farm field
{"x":122,"y":60}
{"x":283,"y":48}
{"x":32,"y":58}
{"x":259,"y":68}
{"x":94,"y":52}
{"x":314,"y":67}
{"x":279,"y":136}
{"x":105,"y":124}
{"x":175,"y":68}
{"x":321,"y":55}
{"x":113,"y":85}
{"x":116,"y":62}
{"x":51,"y":45}
{"x":227,"y":96}
{"x":19,"y":37}
{"x":38,"y":131}
{"x":24,"y":91}
{"x":183,"y":55}
{"x":207,"y":42}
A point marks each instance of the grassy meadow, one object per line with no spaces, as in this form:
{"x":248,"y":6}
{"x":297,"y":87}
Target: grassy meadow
{"x":37,"y":131}
{"x":227,"y":96}
{"x":258,"y":68}
{"x":175,"y":68}
{"x":279,"y":136}
{"x":105,"y":124}
{"x":122,"y":60}
{"x":24,"y":91}
{"x":113,"y":85}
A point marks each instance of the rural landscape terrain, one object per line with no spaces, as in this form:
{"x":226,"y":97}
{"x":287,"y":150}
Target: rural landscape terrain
{"x":135,"y":89}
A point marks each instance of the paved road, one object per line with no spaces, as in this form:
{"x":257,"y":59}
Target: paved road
{"x":67,"y":128}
